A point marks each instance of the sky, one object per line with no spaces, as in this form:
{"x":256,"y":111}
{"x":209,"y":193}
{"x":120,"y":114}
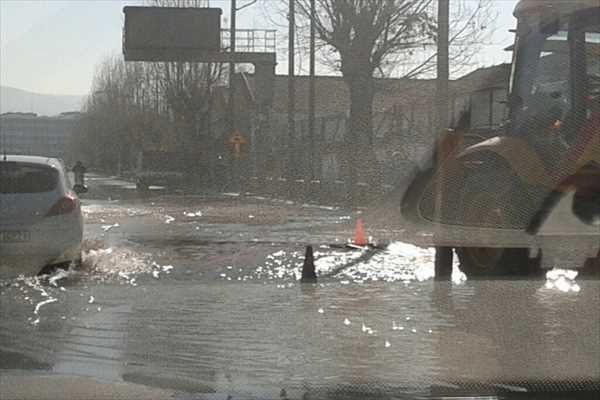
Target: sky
{"x":54,"y":46}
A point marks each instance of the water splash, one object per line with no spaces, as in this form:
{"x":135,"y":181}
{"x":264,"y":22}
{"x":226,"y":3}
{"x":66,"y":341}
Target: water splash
{"x":107,"y":228}
{"x":43,"y":303}
{"x":562,"y":280}
{"x":37,"y":292}
{"x":121,"y":264}
{"x":367,"y":329}
{"x":59,"y":275}
{"x":398,"y":262}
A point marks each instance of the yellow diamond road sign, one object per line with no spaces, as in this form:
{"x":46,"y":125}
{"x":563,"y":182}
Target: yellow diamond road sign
{"x":237,"y":141}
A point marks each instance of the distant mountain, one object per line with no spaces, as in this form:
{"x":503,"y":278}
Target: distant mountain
{"x":15,"y":100}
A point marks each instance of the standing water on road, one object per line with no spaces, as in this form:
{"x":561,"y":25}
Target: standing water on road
{"x":203,"y":293}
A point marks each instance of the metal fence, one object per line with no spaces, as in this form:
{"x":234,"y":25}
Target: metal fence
{"x":250,"y":40}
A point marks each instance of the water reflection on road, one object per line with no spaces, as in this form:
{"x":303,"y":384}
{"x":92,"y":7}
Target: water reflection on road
{"x":249,"y":336}
{"x":209,"y":300}
{"x":228,"y":336}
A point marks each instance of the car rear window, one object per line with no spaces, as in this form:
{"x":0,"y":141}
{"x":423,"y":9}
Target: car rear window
{"x":16,"y":177}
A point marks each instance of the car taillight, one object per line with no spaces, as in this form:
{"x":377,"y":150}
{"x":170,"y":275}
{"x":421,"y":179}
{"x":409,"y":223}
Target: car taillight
{"x":63,"y":206}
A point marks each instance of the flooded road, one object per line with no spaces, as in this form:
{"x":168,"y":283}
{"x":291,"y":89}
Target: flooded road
{"x":200,"y":294}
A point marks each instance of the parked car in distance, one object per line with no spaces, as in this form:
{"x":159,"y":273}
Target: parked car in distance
{"x":41,"y":225}
{"x":158,"y":168}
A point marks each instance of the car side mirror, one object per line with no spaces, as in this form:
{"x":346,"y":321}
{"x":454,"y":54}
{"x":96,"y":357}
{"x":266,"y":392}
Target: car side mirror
{"x":80,"y":189}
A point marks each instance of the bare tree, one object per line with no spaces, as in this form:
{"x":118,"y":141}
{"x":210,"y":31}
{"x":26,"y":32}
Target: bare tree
{"x":157,"y":104}
{"x":114,"y":113}
{"x":367,"y":38}
{"x":137,"y":104}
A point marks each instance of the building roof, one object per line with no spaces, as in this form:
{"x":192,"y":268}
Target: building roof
{"x":561,"y":6}
{"x":69,"y":115}
{"x":18,"y":114}
{"x":496,"y":76}
{"x":333,"y":97}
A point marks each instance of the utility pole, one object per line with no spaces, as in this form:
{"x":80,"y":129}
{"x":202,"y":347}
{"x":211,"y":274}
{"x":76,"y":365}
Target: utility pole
{"x":311,"y":92}
{"x":232,"y":68}
{"x":443,"y":67}
{"x":234,"y":163}
{"x":291,"y":88}
{"x":212,"y":165}
{"x":443,"y":255}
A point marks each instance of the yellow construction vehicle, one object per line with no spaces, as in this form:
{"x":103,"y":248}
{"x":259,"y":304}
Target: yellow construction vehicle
{"x":530,"y":194}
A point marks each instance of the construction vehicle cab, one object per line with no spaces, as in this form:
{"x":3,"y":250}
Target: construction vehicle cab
{"x":531,"y":192}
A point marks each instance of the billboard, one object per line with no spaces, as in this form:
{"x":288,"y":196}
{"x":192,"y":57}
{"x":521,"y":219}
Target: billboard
{"x":151,"y":32}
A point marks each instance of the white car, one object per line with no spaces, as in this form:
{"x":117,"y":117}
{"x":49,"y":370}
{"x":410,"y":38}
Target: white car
{"x":41,"y":226}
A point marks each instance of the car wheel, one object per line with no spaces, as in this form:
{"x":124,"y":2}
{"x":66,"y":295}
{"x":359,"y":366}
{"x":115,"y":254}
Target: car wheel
{"x":486,"y":208}
{"x":479,"y":262}
{"x":591,"y":267}
{"x":52,"y":268}
{"x":76,"y":264}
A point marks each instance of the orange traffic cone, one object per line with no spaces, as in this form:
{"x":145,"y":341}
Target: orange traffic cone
{"x":359,"y":234}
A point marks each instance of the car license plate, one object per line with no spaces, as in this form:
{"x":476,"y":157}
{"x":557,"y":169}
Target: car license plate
{"x":14,"y":236}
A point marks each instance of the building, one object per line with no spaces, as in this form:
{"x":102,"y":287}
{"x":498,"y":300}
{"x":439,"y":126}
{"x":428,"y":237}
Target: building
{"x":28,"y":133}
{"x":403,"y":121}
{"x":483,"y":93}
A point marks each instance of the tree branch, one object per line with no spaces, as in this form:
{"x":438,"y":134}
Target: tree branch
{"x":252,"y":2}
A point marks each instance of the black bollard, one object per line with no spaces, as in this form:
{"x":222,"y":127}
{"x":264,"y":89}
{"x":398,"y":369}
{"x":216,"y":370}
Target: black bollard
{"x":309,"y":274}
